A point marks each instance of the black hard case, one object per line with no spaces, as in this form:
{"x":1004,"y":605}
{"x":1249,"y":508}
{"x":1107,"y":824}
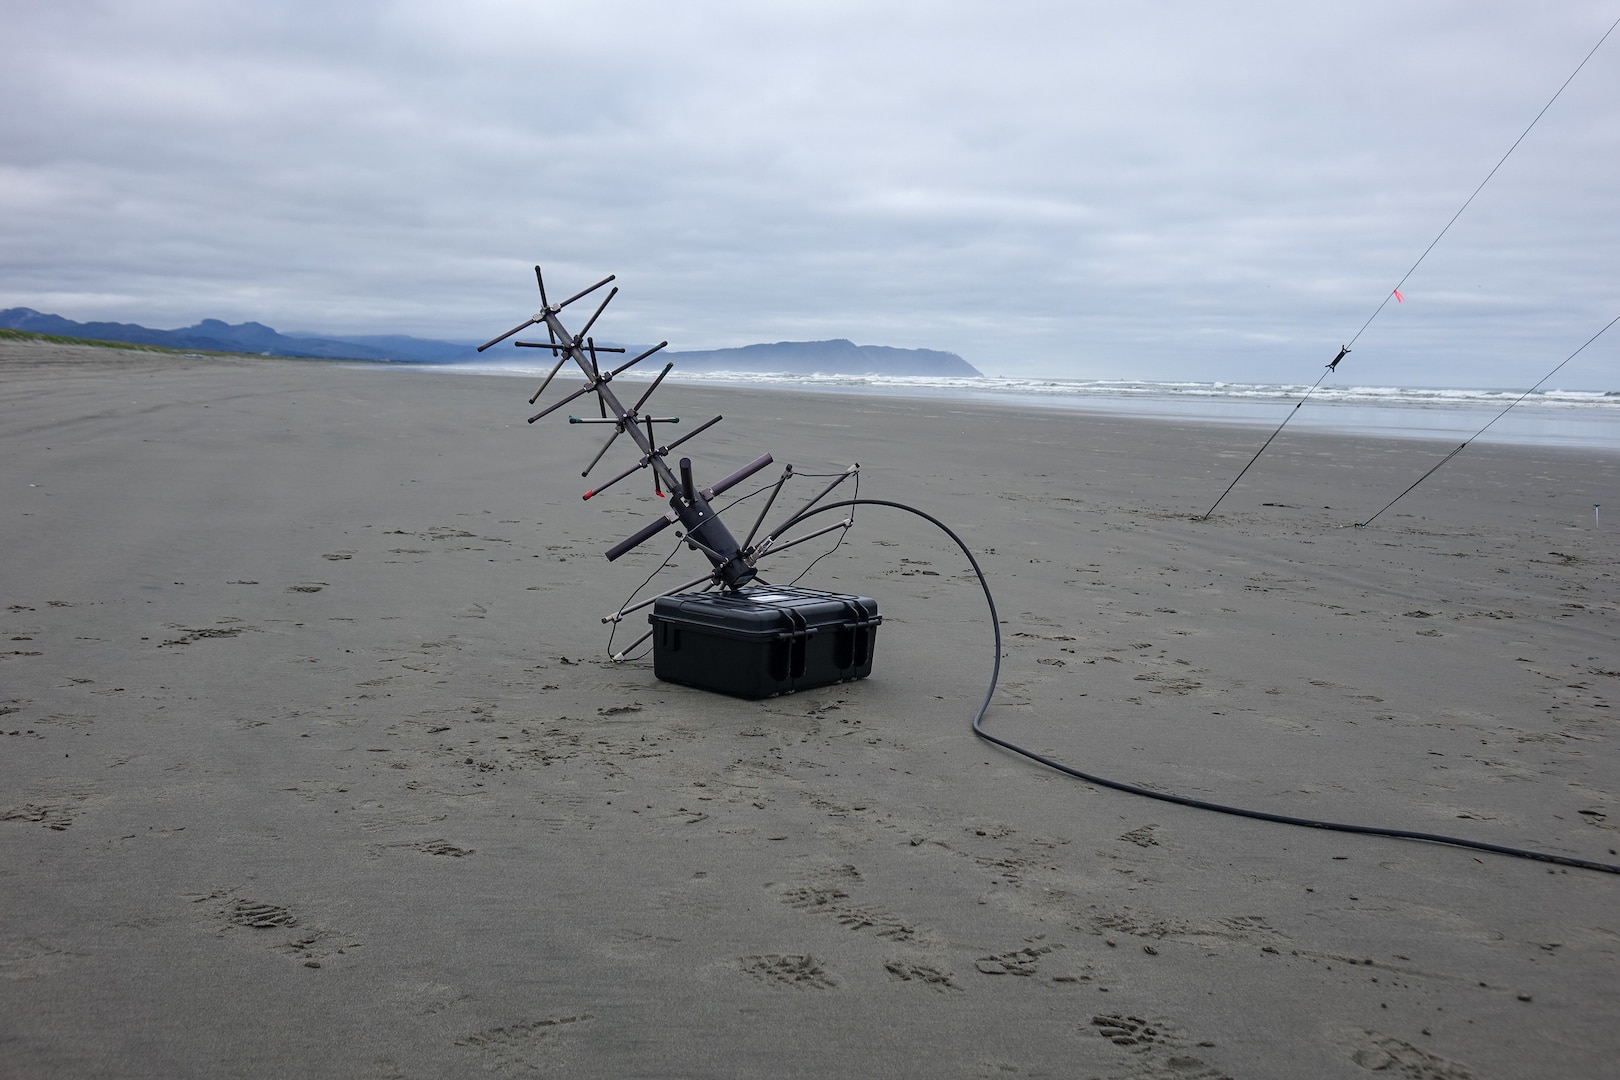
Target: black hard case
{"x":764,"y":640}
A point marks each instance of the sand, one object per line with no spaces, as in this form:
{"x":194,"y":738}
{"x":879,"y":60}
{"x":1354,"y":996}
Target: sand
{"x":312,"y":763}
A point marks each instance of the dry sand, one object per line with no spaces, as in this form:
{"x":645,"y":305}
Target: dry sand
{"x":312,"y":764}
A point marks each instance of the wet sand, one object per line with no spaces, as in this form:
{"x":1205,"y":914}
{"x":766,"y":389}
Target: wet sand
{"x":312,"y":763}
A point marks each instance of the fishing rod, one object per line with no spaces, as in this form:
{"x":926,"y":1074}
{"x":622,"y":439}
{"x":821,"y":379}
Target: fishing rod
{"x":1494,"y":419}
{"x":1395,"y":293}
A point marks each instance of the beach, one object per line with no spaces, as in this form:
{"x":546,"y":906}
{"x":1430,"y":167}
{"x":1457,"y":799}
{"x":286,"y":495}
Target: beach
{"x":312,"y":760}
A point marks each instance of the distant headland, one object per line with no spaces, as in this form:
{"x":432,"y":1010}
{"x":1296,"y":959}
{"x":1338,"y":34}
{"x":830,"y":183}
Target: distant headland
{"x":836,"y":357}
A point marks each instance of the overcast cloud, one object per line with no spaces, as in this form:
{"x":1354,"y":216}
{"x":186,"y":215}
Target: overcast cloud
{"x":1169,"y":190}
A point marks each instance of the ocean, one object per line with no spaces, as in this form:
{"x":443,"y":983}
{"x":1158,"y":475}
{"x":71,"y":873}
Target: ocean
{"x":1548,"y":417}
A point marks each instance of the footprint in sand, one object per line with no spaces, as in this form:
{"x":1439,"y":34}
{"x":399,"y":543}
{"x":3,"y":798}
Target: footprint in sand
{"x":909,"y":971}
{"x":1159,"y":1049}
{"x":1017,"y":962}
{"x":258,"y":915}
{"x":310,"y":944}
{"x":1142,"y":837}
{"x":798,"y":971}
{"x":35,"y":959}
{"x":1394,"y":1057}
{"x":834,"y":901}
{"x":56,"y":813}
{"x":525,"y":1048}
{"x":1208,"y":932}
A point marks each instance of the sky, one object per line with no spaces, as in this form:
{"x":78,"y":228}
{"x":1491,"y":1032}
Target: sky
{"x":1175,"y":190}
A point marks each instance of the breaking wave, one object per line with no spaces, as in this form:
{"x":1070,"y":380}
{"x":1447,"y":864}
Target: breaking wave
{"x":1130,"y":388}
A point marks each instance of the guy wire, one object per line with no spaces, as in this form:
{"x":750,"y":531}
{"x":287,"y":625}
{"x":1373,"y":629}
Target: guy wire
{"x":841,"y":535}
{"x":613,"y":629}
{"x":1494,"y":419}
{"x":1267,"y":443}
{"x":1410,"y":272}
{"x":676,"y":550}
{"x":1487,"y":179}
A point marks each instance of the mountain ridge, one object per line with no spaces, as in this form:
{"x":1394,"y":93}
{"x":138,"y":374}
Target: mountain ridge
{"x":838,"y":356}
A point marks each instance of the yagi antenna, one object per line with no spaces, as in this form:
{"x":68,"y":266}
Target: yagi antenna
{"x":795,"y":638}
{"x":689,"y":504}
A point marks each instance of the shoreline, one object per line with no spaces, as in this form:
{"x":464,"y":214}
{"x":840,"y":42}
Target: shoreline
{"x":319,"y":768}
{"x":1533,"y":423}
